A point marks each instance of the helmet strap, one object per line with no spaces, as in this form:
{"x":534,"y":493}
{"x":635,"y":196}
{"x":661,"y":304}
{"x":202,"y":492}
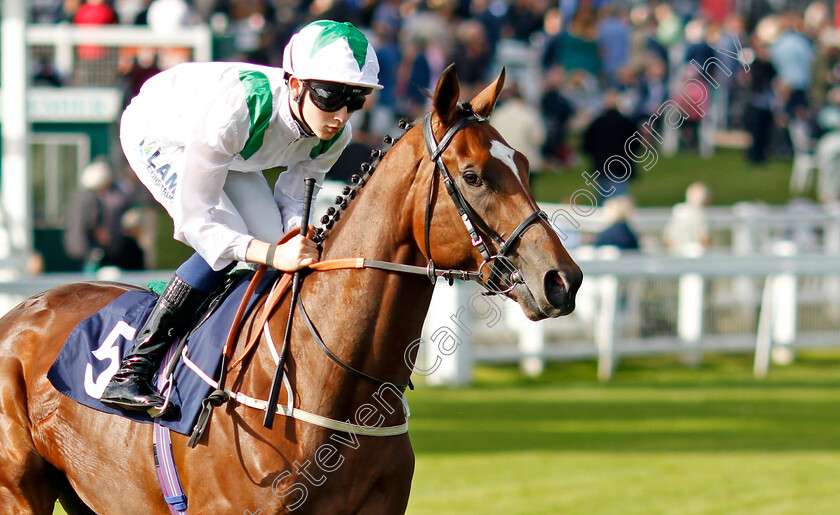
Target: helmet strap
{"x":304,"y":127}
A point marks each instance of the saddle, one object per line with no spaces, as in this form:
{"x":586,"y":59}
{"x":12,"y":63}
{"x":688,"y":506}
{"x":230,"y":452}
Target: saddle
{"x":92,"y":353}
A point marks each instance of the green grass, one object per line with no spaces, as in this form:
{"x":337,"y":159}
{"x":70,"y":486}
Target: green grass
{"x":659,"y":439}
{"x":728,"y":174}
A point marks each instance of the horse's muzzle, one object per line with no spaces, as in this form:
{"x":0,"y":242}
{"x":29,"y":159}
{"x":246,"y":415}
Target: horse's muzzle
{"x":560,"y":291}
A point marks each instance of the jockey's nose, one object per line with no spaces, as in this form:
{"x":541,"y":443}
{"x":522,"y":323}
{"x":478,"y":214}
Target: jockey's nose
{"x":342,"y":115}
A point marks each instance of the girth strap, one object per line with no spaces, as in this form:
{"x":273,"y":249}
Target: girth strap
{"x":165,"y":468}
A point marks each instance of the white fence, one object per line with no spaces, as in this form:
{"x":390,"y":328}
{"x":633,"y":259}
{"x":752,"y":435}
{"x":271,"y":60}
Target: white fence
{"x":752,"y":292}
{"x":744,"y":228}
{"x":641,"y":305}
{"x":627,"y":306}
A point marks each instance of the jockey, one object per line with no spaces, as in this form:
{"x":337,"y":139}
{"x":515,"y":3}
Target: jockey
{"x":199,"y":135}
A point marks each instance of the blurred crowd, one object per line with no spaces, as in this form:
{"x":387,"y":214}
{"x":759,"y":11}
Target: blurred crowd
{"x":583,"y":49}
{"x":578,"y":70}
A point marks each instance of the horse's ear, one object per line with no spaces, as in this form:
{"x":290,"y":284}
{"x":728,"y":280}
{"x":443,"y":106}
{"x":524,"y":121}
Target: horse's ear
{"x":484,"y":102}
{"x":446,"y":94}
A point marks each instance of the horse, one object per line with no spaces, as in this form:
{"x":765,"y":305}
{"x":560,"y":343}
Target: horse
{"x":453,"y":171}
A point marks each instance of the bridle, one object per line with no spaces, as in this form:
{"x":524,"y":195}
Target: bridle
{"x":494,"y":280}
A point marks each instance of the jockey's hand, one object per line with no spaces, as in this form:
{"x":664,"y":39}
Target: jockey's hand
{"x":295,"y":254}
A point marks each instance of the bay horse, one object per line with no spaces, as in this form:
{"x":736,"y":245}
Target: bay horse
{"x":412,"y":212}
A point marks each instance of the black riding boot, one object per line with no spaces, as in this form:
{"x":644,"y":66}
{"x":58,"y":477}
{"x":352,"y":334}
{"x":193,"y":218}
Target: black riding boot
{"x":131,"y":387}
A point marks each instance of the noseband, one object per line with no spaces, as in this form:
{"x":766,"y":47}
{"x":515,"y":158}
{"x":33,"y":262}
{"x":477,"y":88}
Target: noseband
{"x":491,"y":279}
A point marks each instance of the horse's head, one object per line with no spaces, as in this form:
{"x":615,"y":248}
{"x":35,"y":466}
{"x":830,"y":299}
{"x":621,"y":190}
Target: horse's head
{"x":479,"y":183}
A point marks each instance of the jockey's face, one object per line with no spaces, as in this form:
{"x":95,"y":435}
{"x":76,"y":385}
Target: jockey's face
{"x":326,"y":107}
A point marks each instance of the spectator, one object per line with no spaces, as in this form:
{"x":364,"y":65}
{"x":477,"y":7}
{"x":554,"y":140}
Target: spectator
{"x":604,"y":138}
{"x":618,"y":233}
{"x":556,"y":111}
{"x":414,"y":77}
{"x":825,"y":37}
{"x":346,"y":10}
{"x":552,"y":42}
{"x":582,"y":90}
{"x":47,"y":11}
{"x":96,"y":65}
{"x":143,"y":66}
{"x":128,"y":10}
{"x":522,"y":20}
{"x":828,"y":148}
{"x":248,"y":26}
{"x":693,"y":98}
{"x":715,"y":11}
{"x":471,"y":57}
{"x":652,"y":91}
{"x":669,"y":27}
{"x":580,"y":45}
{"x":383,"y":112}
{"x":491,"y":15}
{"x":730,"y":34}
{"x":46,"y":74}
{"x":793,"y":56}
{"x":687,"y":232}
{"x":698,"y":49}
{"x":613,"y":43}
{"x":386,"y":18}
{"x":758,"y":118}
{"x":170,"y":15}
{"x":426,"y":39}
{"x":729,"y":37}
{"x":94,"y":235}
{"x":521,"y":125}
{"x":643,"y":43}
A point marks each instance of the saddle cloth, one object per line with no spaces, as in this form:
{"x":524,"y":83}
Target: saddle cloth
{"x":93,"y":352}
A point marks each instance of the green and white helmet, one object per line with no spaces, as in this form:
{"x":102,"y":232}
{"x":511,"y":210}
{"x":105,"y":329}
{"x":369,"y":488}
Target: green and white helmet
{"x":334,"y":52}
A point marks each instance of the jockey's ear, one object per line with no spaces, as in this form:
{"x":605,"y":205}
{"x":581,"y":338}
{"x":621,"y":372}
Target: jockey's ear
{"x":446,"y":94}
{"x":484,"y":102}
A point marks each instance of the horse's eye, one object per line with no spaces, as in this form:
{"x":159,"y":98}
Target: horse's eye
{"x":473,"y":179}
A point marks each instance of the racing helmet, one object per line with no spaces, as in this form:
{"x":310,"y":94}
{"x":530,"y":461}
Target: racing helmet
{"x":332,"y":51}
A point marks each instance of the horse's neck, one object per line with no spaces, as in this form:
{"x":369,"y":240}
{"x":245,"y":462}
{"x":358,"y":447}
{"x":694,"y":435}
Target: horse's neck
{"x":370,"y":317}
{"x":377,"y":224}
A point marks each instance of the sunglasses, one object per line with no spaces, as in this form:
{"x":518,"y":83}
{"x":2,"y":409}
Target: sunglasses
{"x":331,"y":96}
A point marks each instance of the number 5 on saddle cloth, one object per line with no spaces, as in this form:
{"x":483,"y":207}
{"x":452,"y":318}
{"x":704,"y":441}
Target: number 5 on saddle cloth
{"x":93,"y":351}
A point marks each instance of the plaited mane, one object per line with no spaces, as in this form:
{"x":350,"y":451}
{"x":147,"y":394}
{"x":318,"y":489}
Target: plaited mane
{"x":349,"y":192}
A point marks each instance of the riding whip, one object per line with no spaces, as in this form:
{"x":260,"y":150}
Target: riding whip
{"x":271,"y":409}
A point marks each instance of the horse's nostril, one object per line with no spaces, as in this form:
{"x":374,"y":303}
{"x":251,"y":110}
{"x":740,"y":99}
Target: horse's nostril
{"x":558,"y":280}
{"x":555,"y":288}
